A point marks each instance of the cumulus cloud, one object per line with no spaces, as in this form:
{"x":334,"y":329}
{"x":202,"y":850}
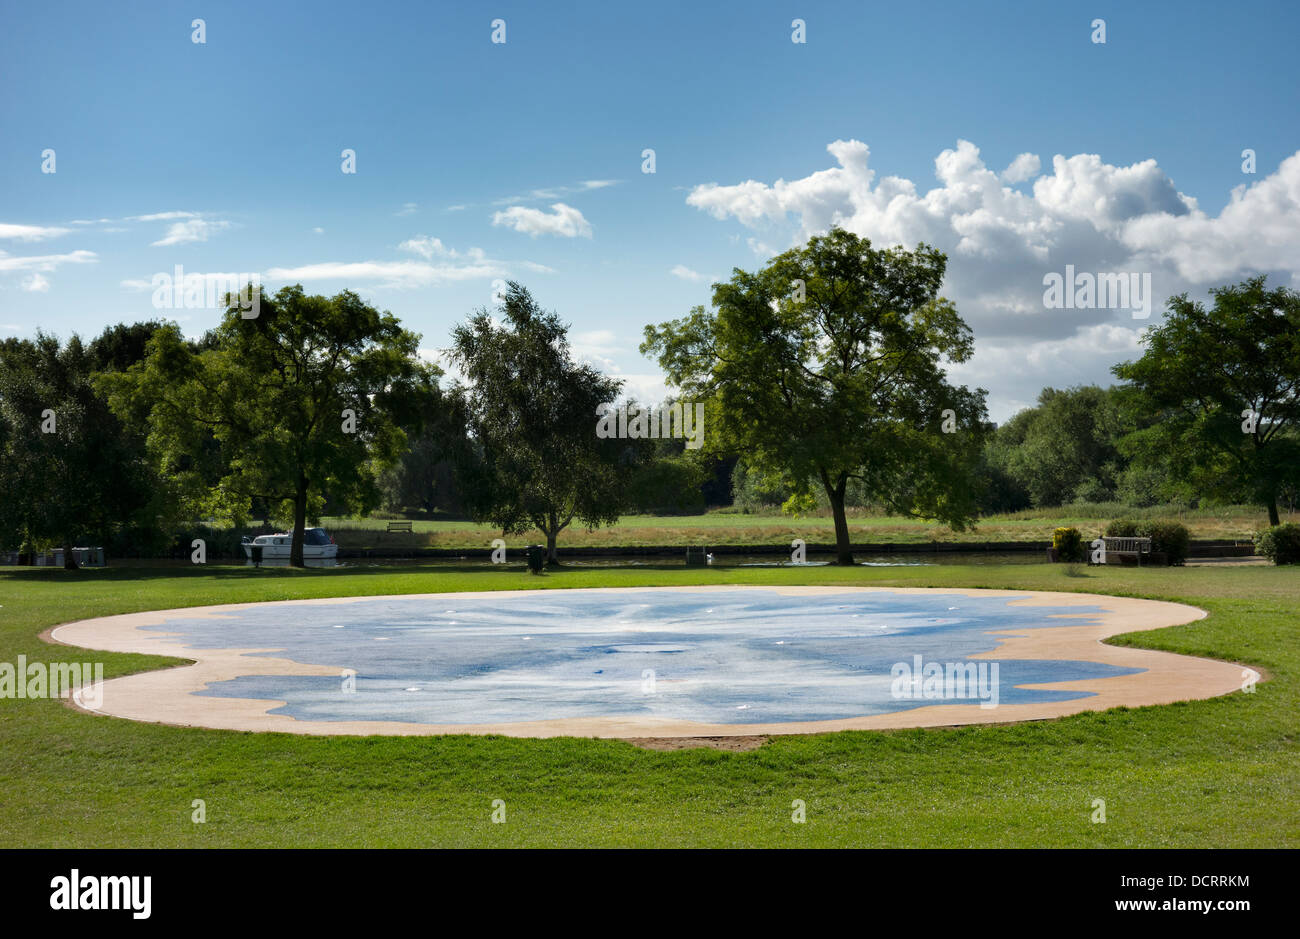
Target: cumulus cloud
{"x":563,"y":220}
{"x":603,"y":349}
{"x":1001,"y":242}
{"x":194,"y":230}
{"x":1023,"y":167}
{"x":1258,"y":230}
{"x":36,"y":284}
{"x":429,"y":248}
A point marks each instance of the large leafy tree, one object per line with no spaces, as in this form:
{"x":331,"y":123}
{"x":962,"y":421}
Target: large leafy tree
{"x":826,"y":366}
{"x":1201,"y":369}
{"x":309,"y":397}
{"x":70,"y":471}
{"x":1066,"y":448}
{"x":532,"y":413}
{"x":425,"y":477}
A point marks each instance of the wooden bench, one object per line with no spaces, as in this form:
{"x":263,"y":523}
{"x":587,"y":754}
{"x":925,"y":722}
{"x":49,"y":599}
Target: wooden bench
{"x":1127,"y":547}
{"x":400,"y":526}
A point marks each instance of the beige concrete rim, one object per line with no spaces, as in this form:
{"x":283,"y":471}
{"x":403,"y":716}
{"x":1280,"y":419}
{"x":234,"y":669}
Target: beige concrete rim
{"x":167,"y":695}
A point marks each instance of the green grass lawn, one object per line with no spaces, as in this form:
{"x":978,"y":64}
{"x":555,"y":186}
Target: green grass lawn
{"x":1217,"y":773}
{"x":1229,"y":522}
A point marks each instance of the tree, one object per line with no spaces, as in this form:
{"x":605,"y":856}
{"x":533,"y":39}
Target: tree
{"x":310,"y":396}
{"x":532,"y":413}
{"x":826,"y":367}
{"x":1066,"y":448}
{"x":70,"y":471}
{"x":425,"y":476}
{"x":1218,"y":392}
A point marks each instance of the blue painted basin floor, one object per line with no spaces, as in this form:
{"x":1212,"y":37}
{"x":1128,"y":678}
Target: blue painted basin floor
{"x":740,"y":656}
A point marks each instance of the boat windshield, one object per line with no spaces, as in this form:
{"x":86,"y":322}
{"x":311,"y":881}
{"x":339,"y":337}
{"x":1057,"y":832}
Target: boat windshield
{"x":315,"y":536}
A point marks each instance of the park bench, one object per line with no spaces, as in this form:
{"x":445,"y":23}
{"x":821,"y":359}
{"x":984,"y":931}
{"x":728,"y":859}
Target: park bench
{"x":399,"y":526}
{"x":1122,"y":548}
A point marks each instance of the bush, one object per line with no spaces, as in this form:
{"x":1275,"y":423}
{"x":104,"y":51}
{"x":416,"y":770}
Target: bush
{"x":1168,"y":538}
{"x":667,"y":487}
{"x":1280,"y":544}
{"x":1122,"y":528}
{"x":1068,"y":544}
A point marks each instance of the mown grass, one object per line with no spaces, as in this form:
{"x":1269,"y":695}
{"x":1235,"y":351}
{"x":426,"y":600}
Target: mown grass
{"x":773,"y":528}
{"x":1222,"y":772}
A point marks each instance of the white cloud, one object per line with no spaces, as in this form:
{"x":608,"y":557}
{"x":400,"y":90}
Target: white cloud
{"x":1000,"y":243}
{"x":595,"y":344}
{"x":685,"y":273}
{"x":36,"y":284}
{"x":181,"y":233}
{"x":45,"y":262}
{"x":31,"y":232}
{"x":1258,"y":230}
{"x":318,"y":231}
{"x":564,"y":220}
{"x":429,"y":248}
{"x":158,"y":217}
{"x":1015,"y":370}
{"x":408,"y":208}
{"x":395,"y":274}
{"x":219,"y":280}
{"x":1023,"y":167}
{"x":556,"y":192}
{"x":424,"y":246}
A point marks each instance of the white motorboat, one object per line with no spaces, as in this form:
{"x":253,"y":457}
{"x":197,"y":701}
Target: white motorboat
{"x":316,"y":545}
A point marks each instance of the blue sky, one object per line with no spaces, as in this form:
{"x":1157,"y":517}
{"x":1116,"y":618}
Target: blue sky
{"x":225,"y":157}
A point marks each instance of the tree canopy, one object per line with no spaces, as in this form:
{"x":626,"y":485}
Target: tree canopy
{"x":1218,"y":392}
{"x":532,"y":413}
{"x":826,"y":366}
{"x":70,"y":471}
{"x":310,"y":396}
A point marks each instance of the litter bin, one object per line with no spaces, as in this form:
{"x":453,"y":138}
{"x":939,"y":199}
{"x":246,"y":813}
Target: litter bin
{"x":256,"y":551}
{"x":536,"y":558}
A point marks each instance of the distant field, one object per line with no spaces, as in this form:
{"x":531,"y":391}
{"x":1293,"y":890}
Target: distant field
{"x":1226,"y":522}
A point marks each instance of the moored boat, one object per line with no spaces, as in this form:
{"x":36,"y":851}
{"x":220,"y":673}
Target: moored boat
{"x":316,"y":545}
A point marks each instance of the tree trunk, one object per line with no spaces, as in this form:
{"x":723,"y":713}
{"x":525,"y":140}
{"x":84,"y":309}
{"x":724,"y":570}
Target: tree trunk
{"x":299,"y":522}
{"x":835,"y":493}
{"x":552,"y":532}
{"x":70,"y":562}
{"x":1273,"y":517}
